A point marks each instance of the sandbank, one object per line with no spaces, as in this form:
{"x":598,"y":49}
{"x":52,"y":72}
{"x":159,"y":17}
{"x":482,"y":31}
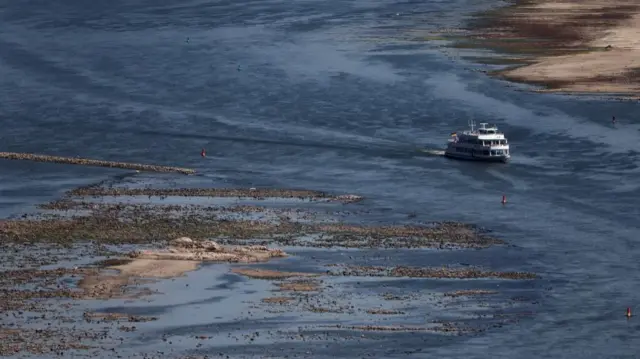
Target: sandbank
{"x":157,"y":268}
{"x":184,"y":255}
{"x":258,"y":273}
{"x":586,"y":47}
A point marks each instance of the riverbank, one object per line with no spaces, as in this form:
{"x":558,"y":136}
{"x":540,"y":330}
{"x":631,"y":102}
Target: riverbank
{"x":587,"y":47}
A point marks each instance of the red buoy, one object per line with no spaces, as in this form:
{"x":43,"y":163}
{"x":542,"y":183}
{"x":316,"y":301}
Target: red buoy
{"x":628,"y":312}
{"x":504,"y":199}
{"x":203,"y":153}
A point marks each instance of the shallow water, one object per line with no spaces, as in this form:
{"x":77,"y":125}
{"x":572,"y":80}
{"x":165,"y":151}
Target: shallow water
{"x":331,"y":95}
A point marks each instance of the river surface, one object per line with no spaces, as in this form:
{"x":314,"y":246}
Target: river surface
{"x":337,"y":96}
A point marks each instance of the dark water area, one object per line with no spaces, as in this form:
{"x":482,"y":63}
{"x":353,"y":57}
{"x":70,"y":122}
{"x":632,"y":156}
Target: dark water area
{"x":334,"y":95}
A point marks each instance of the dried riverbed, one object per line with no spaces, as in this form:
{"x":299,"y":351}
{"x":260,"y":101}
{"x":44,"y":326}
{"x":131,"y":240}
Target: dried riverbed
{"x":80,"y":218}
{"x":104,"y":265}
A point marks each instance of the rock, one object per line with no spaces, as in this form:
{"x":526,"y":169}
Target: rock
{"x":182,"y":242}
{"x":349,"y":198}
{"x":186,"y":242}
{"x":210,"y":246}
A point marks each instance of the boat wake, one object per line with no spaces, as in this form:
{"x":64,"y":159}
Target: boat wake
{"x":432,"y":151}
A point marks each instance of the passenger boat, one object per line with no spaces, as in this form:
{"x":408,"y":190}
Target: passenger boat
{"x":483,"y":144}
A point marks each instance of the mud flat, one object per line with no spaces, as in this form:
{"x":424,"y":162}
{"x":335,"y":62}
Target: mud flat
{"x":43,"y":292}
{"x":42,"y":341}
{"x":255,"y":193}
{"x":577,"y":47}
{"x":186,"y":249}
{"x":113,"y":271}
{"x":418,"y":272}
{"x":29,"y":294}
{"x":269,"y":274}
{"x":446,"y":327}
{"x":108,"y":317}
{"x":76,"y":220}
{"x":326,"y":296}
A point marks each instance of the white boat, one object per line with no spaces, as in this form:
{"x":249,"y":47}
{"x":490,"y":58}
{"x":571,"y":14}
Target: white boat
{"x":483,"y":144}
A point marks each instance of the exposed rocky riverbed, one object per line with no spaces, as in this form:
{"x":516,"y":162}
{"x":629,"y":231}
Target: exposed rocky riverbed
{"x":97,"y":245}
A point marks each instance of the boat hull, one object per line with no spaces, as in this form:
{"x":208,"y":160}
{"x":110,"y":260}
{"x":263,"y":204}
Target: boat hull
{"x":458,"y":156}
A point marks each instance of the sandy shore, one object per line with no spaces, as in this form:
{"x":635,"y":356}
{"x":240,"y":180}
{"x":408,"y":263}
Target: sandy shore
{"x":589,"y":47}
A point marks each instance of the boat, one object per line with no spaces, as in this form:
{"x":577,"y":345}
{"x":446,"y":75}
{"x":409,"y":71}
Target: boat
{"x":485,"y":143}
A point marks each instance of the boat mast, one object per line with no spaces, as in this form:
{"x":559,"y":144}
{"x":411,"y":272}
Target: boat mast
{"x":471,"y":124}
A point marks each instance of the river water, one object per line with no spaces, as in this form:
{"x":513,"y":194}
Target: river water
{"x":337,"y":96}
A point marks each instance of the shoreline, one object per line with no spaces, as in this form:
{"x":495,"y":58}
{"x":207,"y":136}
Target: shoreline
{"x":586,"y":48}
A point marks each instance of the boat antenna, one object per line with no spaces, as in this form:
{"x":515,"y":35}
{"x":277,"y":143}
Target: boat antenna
{"x":471,"y":124}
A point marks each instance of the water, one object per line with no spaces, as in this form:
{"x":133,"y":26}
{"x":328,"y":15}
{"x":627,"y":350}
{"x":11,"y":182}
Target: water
{"x":332,"y":95}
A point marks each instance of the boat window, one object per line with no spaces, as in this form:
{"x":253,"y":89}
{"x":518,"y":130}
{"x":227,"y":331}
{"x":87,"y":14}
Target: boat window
{"x":486,"y":153}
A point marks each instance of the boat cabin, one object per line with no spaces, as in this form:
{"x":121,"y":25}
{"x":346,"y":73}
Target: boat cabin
{"x":485,"y":136}
{"x":485,"y":129}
